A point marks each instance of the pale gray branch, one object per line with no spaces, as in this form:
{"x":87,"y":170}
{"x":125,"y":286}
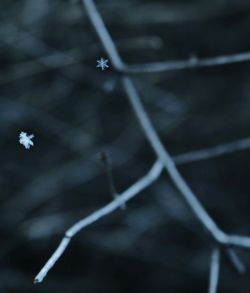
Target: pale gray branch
{"x":214,"y":271}
{"x":131,"y":192}
{"x":213,"y":152}
{"x":238,"y":264}
{"x":148,"y":128}
{"x":192,"y":62}
{"x":153,"y":138}
{"x":52,"y":260}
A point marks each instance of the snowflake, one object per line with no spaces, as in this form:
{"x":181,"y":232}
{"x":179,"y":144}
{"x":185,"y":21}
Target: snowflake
{"x":102,"y":63}
{"x":25,"y":139}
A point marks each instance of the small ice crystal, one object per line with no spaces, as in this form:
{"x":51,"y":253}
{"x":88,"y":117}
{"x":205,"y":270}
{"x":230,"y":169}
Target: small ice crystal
{"x":25,"y":139}
{"x":102,"y":63}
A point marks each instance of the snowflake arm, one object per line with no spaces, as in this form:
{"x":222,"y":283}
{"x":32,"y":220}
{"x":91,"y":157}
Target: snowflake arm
{"x":25,"y":139}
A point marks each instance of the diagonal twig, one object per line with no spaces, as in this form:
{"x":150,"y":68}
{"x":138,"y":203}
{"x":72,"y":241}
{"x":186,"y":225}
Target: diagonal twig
{"x":239,"y":266}
{"x":213,"y":152}
{"x":118,"y":202}
{"x":104,"y":157}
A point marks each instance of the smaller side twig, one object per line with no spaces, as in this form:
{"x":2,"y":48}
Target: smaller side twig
{"x":128,"y":194}
{"x":234,"y":258}
{"x":213,"y":152}
{"x":53,"y":259}
{"x":105,"y":159}
{"x":214,"y":271}
{"x":192,"y":62}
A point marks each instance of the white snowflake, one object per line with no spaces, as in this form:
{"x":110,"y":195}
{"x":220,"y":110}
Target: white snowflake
{"x":25,"y":139}
{"x":102,"y":63}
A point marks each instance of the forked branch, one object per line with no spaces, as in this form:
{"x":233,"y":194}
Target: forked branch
{"x":165,"y":161}
{"x":152,"y":175}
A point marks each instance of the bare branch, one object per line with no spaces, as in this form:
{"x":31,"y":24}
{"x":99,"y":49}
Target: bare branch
{"x":214,"y":271}
{"x":148,"y":128}
{"x":153,"y":138}
{"x":52,"y":260}
{"x":165,"y":161}
{"x":192,"y":62}
{"x":103,"y":34}
{"x":107,"y":164}
{"x":169,"y":164}
{"x":104,"y":157}
{"x":238,"y":264}
{"x":213,"y":152}
{"x":131,"y":192}
{"x":238,"y":241}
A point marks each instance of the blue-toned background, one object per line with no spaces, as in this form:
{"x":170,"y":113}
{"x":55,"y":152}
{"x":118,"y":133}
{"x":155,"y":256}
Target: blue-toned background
{"x":50,"y":86}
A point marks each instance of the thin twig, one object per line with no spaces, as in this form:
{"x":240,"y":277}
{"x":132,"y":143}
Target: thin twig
{"x":213,"y":152}
{"x":114,"y":56}
{"x":192,"y":62}
{"x":214,"y":271}
{"x":52,"y":260}
{"x":131,"y":192}
{"x":103,"y":34}
{"x":107,"y":164}
{"x":240,"y":267}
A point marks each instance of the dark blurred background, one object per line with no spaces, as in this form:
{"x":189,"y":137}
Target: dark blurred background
{"x":50,"y":87}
